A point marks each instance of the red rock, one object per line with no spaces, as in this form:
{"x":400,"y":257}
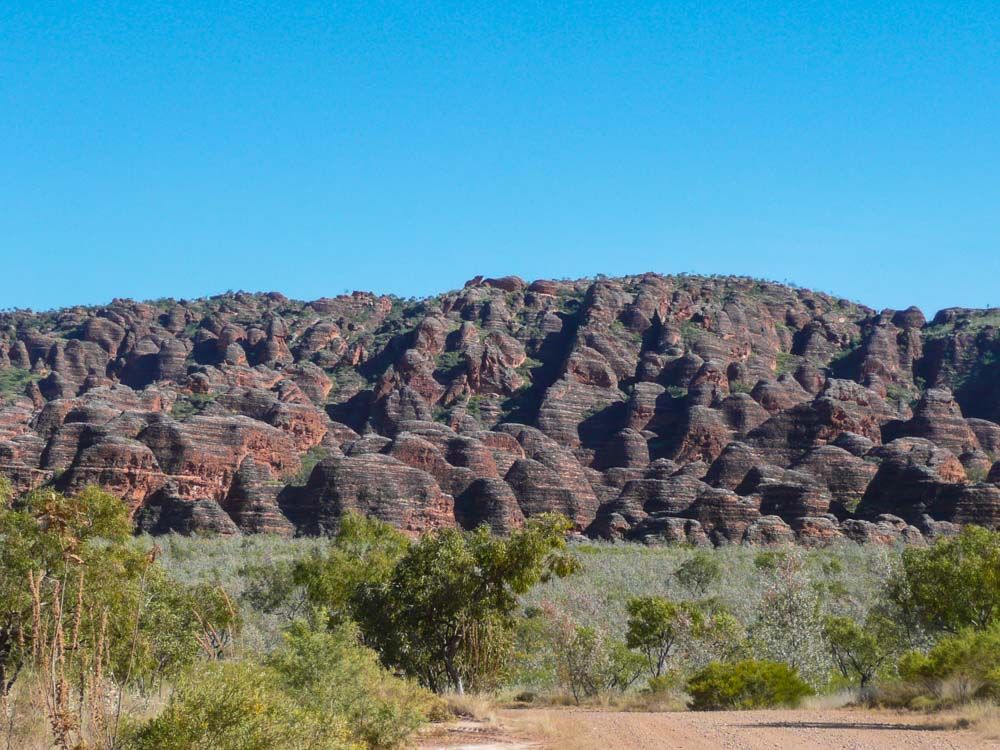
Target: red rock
{"x":252,"y":501}
{"x":724,"y":515}
{"x":203,"y":453}
{"x":122,"y":466}
{"x":489,"y":501}
{"x":168,"y":513}
{"x":375,"y":485}
{"x":768,"y":530}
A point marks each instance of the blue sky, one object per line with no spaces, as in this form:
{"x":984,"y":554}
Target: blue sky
{"x":401,"y":147}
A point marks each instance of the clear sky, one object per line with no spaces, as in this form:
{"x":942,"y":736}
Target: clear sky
{"x":311,"y":147}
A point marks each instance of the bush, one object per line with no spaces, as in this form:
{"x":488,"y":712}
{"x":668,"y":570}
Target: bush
{"x":657,"y":626}
{"x":329,"y":674}
{"x":745,"y":685}
{"x":319,"y":691}
{"x":699,"y":572}
{"x":236,"y":706}
{"x":966,"y":664}
{"x":590,"y":663}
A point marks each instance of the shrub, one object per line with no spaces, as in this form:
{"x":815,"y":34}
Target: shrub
{"x":329,"y":674}
{"x":968,"y":664}
{"x":860,"y":651}
{"x":745,"y":685}
{"x":788,"y":627}
{"x":590,"y":663}
{"x":235,"y":706}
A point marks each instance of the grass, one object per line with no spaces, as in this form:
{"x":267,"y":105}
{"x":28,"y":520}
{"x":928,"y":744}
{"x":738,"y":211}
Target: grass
{"x":613,"y":573}
{"x":14,"y":380}
{"x":784,"y":362}
{"x":977,"y":321}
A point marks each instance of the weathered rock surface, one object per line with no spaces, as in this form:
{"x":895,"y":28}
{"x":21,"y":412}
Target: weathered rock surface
{"x":653,"y":408}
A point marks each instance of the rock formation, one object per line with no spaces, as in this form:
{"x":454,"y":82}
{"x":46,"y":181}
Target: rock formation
{"x":652,"y":408}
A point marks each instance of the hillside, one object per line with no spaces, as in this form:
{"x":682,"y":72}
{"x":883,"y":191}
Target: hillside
{"x":655,"y":408}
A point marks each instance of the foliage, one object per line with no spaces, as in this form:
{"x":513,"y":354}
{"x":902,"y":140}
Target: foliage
{"x":14,"y":380}
{"x":328,"y":673}
{"x":954,"y":584}
{"x":788,"y":626}
{"x":656,"y":627}
{"x":860,"y":651}
{"x":969,"y":660}
{"x":699,"y":572}
{"x":445,"y":615}
{"x":190,"y":405}
{"x":450,"y":364}
{"x":79,"y":550}
{"x":271,"y":588}
{"x":591,"y":664}
{"x":746,"y":685}
{"x":365,"y":551}
{"x":312,"y":457}
{"x":236,"y":706}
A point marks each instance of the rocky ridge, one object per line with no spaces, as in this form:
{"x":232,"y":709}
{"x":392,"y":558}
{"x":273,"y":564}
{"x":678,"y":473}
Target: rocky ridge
{"x":654,"y":408}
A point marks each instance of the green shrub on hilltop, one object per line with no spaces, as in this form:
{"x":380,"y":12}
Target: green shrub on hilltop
{"x":14,"y":380}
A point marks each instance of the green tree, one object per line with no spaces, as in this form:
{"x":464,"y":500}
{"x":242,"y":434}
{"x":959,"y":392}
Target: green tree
{"x":699,"y":572}
{"x":860,"y":652}
{"x":589,"y":663}
{"x":445,"y":615}
{"x":657,"y":627}
{"x":365,"y":551}
{"x":954,"y":584}
{"x":76,"y":556}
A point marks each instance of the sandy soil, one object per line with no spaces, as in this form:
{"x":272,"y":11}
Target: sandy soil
{"x":571,"y":729}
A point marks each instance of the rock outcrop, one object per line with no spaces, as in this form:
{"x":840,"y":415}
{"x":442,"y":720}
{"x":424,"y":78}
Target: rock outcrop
{"x":651,"y":408}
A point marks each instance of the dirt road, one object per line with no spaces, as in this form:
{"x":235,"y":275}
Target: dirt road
{"x":569,"y":729}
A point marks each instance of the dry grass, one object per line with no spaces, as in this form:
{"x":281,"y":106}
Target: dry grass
{"x":479,"y":708}
{"x":26,"y":724}
{"x":980,"y":716}
{"x":829,"y":701}
{"x":637,"y":701}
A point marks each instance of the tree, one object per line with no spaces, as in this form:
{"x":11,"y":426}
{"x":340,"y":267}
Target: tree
{"x":788,"y":627}
{"x":699,"y":572}
{"x":589,"y":663}
{"x":445,"y":615}
{"x":861,"y":651}
{"x":71,"y":564}
{"x":364,"y":551}
{"x":954,"y":584}
{"x":657,"y":626}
